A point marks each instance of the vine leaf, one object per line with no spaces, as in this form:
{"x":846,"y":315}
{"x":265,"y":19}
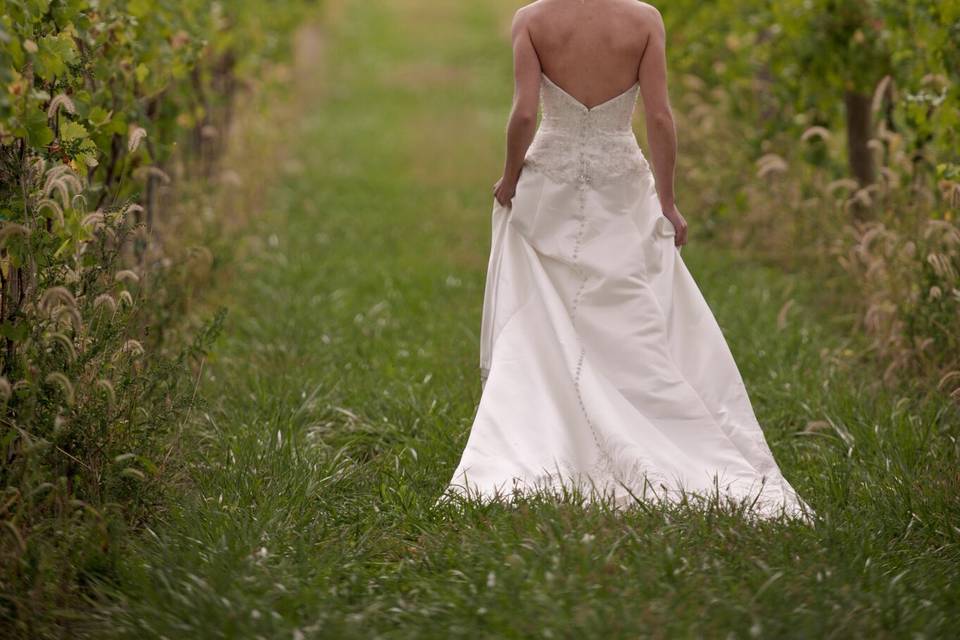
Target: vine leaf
{"x":54,"y":53}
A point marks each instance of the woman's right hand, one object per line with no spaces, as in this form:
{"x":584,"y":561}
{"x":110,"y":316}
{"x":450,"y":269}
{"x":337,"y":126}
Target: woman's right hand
{"x":679,"y":225}
{"x":504,"y":190}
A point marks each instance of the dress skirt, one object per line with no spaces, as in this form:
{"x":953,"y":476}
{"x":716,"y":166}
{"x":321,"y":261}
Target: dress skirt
{"x":604,"y":370}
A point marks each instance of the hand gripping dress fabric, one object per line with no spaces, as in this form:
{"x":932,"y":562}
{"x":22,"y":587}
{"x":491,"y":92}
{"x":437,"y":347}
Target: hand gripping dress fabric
{"x":602,"y":365}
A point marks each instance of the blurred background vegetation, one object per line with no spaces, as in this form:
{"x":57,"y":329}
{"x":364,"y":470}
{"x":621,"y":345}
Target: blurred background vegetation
{"x":824,"y":135}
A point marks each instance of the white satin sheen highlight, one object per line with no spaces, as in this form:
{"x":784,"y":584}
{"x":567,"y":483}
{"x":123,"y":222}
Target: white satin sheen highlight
{"x":603,"y":364}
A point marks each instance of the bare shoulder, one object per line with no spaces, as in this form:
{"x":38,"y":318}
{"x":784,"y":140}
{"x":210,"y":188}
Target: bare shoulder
{"x":530,"y":12}
{"x":521,"y":20}
{"x":648,"y":9}
{"x":649,"y":15}
{"x":526,"y":13}
{"x":549,"y":15}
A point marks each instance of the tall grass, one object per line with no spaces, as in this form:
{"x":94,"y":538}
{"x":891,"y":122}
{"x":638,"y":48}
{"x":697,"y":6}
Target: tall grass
{"x":89,"y":397}
{"x":110,"y":114}
{"x":341,"y":395}
{"x":888,"y":254}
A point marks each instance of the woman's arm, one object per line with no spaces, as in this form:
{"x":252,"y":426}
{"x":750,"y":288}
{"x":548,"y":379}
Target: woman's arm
{"x":523,"y":116}
{"x":661,"y":130}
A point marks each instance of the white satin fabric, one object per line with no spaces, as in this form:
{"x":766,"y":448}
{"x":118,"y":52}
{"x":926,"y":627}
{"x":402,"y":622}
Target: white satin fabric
{"x":603,"y":366}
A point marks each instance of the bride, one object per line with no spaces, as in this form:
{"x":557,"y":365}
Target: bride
{"x":604,"y":371}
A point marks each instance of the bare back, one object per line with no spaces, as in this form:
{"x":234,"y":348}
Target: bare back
{"x":591,"y":48}
{"x":595,"y":51}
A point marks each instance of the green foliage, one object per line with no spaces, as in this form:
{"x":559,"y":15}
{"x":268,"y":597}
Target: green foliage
{"x":796,"y":58}
{"x":826,"y":45}
{"x":785,"y":85}
{"x":98,"y":98}
{"x":121,"y":65}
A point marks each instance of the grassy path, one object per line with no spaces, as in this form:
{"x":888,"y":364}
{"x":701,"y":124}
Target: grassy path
{"x":340,"y":397}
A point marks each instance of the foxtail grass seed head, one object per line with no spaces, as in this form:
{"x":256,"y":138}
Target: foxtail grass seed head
{"x":105,"y":301}
{"x":93,"y":221}
{"x":816,"y":132}
{"x":61,"y":381}
{"x":108,"y":390}
{"x":134,"y":348}
{"x":60,"y":101}
{"x":843,"y":183}
{"x":73,"y":317}
{"x":12,"y":230}
{"x":131,"y":209}
{"x":51,"y":205}
{"x":57,"y":296}
{"x":771,"y":163}
{"x":65,"y":342}
{"x":135,"y":136}
{"x":79,"y":202}
{"x":127,"y":275}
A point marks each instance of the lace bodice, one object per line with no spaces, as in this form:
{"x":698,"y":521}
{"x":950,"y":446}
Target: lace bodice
{"x":586,"y":146}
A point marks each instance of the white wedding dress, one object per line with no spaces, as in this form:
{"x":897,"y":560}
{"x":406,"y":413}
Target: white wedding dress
{"x":603,"y":366}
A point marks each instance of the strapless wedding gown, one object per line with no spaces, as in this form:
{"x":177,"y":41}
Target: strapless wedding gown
{"x":602,"y":365}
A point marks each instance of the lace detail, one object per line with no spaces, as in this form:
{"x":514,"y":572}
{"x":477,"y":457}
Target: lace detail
{"x":587,"y":146}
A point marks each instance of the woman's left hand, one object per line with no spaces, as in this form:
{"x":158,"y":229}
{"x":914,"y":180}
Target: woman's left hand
{"x":504,"y":191}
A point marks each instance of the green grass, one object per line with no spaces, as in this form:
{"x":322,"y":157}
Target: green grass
{"x":340,"y":397}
